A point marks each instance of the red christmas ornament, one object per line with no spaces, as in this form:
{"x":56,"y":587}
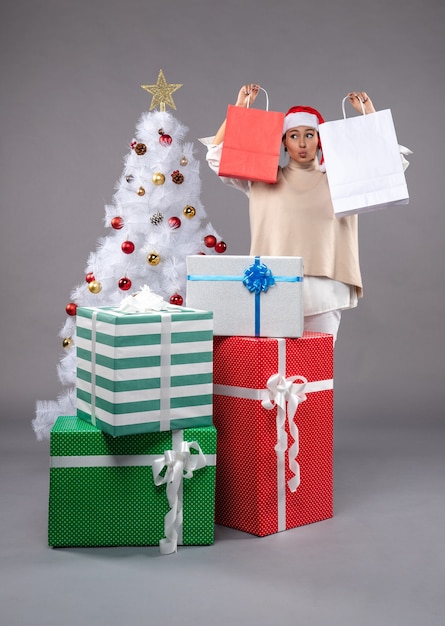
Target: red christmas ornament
{"x":124,"y":283}
{"x":89,"y":277}
{"x":71,"y":308}
{"x":117,"y":223}
{"x":176,"y":299}
{"x":127,"y":247}
{"x":209,"y":241}
{"x":220,"y":247}
{"x":174,"y":222}
{"x":165,"y":140}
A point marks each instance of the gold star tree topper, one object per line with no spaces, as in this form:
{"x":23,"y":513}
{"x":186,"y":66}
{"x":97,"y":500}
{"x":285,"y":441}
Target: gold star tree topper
{"x":161,"y":92}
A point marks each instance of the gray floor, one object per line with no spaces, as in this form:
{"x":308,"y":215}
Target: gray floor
{"x":380,"y":561}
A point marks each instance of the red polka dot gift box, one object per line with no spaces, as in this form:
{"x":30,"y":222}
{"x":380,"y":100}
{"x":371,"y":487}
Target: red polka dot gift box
{"x":273,"y":410}
{"x":134,"y":490}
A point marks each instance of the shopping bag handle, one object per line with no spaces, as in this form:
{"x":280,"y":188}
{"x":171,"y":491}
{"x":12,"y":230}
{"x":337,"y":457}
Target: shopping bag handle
{"x":267,"y":99}
{"x":343,"y":106}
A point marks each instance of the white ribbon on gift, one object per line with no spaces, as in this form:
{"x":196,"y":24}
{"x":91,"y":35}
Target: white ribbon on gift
{"x":284,"y":392}
{"x":164,"y":367}
{"x":143,"y":301}
{"x":179,"y":464}
{"x":93,"y":367}
{"x":279,"y":391}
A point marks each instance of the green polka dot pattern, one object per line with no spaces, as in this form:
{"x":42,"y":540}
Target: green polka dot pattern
{"x":120,"y":505}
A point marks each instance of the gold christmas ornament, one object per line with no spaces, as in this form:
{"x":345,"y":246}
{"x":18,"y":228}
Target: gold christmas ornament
{"x":189,"y":211}
{"x":153,"y":258}
{"x":162,"y":92}
{"x":183,"y":161}
{"x":158,"y":178}
{"x":141,"y":191}
{"x":95,"y":286}
{"x":67,"y":342}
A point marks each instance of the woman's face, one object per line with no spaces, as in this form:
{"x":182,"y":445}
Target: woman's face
{"x":301,"y":143}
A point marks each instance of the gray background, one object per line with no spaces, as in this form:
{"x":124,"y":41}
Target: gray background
{"x":70,"y":98}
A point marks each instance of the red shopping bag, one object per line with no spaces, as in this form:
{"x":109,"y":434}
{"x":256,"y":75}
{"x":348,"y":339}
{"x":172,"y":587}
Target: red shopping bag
{"x":252,"y":142}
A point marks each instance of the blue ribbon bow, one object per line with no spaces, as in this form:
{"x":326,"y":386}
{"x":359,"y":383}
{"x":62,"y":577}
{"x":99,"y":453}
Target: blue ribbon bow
{"x":258,"y":277}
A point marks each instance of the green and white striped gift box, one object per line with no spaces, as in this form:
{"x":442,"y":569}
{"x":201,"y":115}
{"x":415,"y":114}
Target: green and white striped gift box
{"x":144,"y":372}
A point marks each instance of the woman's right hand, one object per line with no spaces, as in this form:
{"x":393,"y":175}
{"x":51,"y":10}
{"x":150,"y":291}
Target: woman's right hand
{"x":247,"y":95}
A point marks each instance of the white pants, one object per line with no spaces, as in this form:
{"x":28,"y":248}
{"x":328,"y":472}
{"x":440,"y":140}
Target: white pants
{"x":323,"y":323}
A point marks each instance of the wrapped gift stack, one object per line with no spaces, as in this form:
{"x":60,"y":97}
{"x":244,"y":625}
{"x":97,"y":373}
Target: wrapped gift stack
{"x":273,"y":393}
{"x":136,"y":465}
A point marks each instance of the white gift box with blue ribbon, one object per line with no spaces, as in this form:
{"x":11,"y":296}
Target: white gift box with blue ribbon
{"x":252,"y":296}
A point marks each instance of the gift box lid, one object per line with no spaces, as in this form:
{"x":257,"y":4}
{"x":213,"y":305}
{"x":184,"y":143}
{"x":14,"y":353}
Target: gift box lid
{"x":283,"y":268}
{"x":311,"y":355}
{"x":71,"y":436}
{"x":115,"y":316}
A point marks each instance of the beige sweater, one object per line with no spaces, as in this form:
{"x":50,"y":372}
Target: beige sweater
{"x":295,"y":217}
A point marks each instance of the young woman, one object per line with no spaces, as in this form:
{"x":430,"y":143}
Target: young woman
{"x":294,"y":216}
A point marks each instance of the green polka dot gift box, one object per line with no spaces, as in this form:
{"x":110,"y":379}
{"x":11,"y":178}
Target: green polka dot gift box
{"x":134,"y":490}
{"x":144,"y":371}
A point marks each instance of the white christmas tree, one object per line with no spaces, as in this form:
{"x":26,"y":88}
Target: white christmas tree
{"x":155,"y":220}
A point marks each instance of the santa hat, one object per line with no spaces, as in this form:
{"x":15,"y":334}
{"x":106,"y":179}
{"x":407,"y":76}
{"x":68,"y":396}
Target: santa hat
{"x":302,"y":116}
{"x":305,"y":116}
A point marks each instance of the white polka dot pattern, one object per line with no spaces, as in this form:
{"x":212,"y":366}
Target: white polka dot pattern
{"x":246,"y":481}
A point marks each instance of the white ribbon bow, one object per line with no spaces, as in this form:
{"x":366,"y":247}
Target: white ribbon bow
{"x":142,"y":301}
{"x":180,"y":464}
{"x":285,"y":392}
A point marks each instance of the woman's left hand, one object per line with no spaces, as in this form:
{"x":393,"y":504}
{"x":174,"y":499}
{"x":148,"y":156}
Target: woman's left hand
{"x":360,"y":100}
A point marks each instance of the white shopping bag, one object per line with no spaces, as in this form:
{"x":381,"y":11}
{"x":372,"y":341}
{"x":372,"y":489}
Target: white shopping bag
{"x":363,"y":163}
